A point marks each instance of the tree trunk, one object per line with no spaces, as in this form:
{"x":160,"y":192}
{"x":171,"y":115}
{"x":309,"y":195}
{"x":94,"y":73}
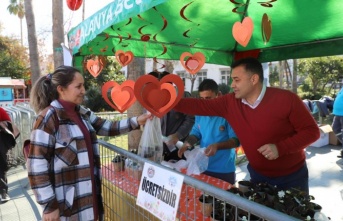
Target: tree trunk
{"x":21,"y":32}
{"x":32,"y":39}
{"x":192,"y":85}
{"x":135,"y":69}
{"x":295,"y":76}
{"x":281,"y":74}
{"x":57,"y":32}
{"x":288,"y":74}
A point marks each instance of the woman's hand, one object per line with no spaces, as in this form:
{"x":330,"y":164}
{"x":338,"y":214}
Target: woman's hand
{"x":143,"y":118}
{"x":53,"y":216}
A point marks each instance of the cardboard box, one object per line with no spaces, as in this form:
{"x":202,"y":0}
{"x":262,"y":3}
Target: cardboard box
{"x":324,"y":136}
{"x":333,"y":140}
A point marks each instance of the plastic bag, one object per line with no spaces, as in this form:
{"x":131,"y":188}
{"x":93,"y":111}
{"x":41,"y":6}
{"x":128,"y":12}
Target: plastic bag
{"x":196,"y":162}
{"x":151,"y":145}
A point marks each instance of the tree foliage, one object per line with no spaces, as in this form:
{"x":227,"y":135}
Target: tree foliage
{"x":13,"y":58}
{"x":320,"y":73}
{"x":111,"y":72}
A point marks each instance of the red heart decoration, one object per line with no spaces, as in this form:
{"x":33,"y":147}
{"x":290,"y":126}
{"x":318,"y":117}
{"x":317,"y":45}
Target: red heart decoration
{"x":122,"y":95}
{"x":119,"y":97}
{"x":194,"y":62}
{"x":94,"y":67}
{"x":242,"y":32}
{"x":159,"y":97}
{"x":124,"y":58}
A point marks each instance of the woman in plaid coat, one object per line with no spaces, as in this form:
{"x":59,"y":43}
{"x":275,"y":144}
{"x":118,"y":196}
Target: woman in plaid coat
{"x":63,"y":162}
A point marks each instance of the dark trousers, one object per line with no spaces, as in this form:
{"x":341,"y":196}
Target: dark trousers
{"x":298,"y":179}
{"x":337,"y":127}
{"x":3,"y":171}
{"x":228,"y":177}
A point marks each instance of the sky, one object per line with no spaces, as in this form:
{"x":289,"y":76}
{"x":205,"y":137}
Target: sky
{"x":43,"y":18}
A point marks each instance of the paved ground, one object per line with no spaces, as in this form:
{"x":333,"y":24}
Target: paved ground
{"x":326,"y":185}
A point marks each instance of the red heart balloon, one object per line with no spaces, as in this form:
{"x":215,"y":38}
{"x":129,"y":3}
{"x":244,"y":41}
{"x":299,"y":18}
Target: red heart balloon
{"x":74,"y":4}
{"x":122,"y":95}
{"x":159,"y":97}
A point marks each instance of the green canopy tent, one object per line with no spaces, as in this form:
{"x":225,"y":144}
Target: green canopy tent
{"x":164,"y":29}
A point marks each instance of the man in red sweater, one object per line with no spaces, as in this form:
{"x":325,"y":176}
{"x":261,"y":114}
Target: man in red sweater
{"x":273,"y":125}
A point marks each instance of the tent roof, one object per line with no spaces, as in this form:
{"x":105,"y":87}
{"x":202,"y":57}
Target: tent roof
{"x":164,"y":29}
{"x":16,"y":83}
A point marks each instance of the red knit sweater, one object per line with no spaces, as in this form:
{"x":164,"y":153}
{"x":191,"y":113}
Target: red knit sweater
{"x":281,"y":118}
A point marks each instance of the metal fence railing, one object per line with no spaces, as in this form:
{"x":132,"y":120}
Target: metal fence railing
{"x":120,"y":183}
{"x":120,"y":188}
{"x":23,"y":117}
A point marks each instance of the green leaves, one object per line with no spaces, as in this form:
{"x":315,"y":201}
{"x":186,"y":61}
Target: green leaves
{"x":13,"y":58}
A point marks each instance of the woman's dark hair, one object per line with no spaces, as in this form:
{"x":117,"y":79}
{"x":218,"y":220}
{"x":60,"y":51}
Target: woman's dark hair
{"x":44,"y":91}
{"x":251,"y":65}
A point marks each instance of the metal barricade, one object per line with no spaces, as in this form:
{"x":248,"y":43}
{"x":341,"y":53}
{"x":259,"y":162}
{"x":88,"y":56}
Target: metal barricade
{"x":120,"y":191}
{"x":15,"y":155}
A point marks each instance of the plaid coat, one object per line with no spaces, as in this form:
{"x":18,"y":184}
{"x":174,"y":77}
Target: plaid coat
{"x":62,"y":149}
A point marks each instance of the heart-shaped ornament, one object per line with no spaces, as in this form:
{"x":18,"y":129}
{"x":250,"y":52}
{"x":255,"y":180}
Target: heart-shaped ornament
{"x":159,"y":96}
{"x":193,"y":63}
{"x":122,"y":96}
{"x":242,"y":32}
{"x":124,"y":58}
{"x":94,"y":67}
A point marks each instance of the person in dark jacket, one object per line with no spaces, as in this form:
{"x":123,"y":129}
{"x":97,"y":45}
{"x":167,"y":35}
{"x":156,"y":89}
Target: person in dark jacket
{"x":4,"y":121}
{"x":175,"y":126}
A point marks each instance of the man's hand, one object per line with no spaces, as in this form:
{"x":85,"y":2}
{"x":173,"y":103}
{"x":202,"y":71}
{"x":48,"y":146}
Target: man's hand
{"x":172,"y":139}
{"x":183,"y":149}
{"x":141,"y":120}
{"x":53,"y":216}
{"x":211,"y":150}
{"x":269,"y":151}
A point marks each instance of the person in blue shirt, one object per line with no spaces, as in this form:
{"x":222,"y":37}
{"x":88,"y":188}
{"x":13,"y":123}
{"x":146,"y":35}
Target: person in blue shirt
{"x":217,"y":136}
{"x":337,"y":124}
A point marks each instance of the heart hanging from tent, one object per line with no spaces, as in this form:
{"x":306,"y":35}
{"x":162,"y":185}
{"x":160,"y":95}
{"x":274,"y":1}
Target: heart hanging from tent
{"x":159,"y":96}
{"x":242,"y":32}
{"x":266,"y":28}
{"x":193,"y":63}
{"x":74,"y":4}
{"x":124,"y":58}
{"x":122,"y":96}
{"x":94,"y":67}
